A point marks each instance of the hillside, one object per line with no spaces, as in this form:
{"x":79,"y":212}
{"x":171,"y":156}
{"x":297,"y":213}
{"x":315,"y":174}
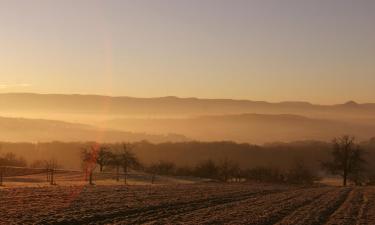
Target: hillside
{"x":37,"y":130}
{"x":251,"y":128}
{"x":199,"y":119}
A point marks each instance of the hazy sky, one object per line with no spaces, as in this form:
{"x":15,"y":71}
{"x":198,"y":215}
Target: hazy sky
{"x":321,"y":51}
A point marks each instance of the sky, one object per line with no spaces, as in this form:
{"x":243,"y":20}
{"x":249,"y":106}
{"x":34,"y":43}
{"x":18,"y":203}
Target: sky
{"x":320,"y":51}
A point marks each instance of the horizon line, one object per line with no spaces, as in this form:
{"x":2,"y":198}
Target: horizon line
{"x":352,"y":102}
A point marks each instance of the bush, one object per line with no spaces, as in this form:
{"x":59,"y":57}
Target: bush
{"x":162,"y":168}
{"x":228,"y":170}
{"x":184,"y":171}
{"x":264,"y":174}
{"x":207,"y":169}
{"x":301,"y":174}
{"x":10,"y":159}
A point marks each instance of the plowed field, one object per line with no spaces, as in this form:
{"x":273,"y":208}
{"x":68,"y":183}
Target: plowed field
{"x":187,"y":204}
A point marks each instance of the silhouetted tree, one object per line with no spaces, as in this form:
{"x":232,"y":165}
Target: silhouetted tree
{"x":89,"y":158}
{"x":265,"y":174}
{"x":37,"y":164}
{"x":127,"y":159}
{"x":115,"y":161}
{"x":207,"y":169}
{"x":299,"y":173}
{"x":347,"y":159}
{"x":184,"y":171}
{"x":2,"y":171}
{"x":51,"y":165}
{"x":163,"y":168}
{"x":227,"y":170}
{"x":103,"y":158}
{"x":10,"y":159}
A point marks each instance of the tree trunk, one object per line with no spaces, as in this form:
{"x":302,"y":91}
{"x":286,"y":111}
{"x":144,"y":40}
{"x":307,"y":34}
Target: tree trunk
{"x":345,"y":177}
{"x":48,"y":176}
{"x":153,"y":178}
{"x":90,"y":178}
{"x":1,"y":176}
{"x":51,"y":178}
{"x":125,"y":178}
{"x":125,"y":174}
{"x":86,"y":174}
{"x":117,"y":173}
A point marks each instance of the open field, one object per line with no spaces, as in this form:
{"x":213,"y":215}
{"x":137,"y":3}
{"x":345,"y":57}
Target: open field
{"x":187,"y":204}
{"x":28,"y":177}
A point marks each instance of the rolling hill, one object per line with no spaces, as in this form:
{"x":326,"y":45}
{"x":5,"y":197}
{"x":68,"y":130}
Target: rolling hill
{"x":154,"y":118}
{"x":250,"y":128}
{"x":38,"y":130}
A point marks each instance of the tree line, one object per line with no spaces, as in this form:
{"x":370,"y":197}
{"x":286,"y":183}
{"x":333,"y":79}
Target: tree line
{"x":105,"y":157}
{"x":121,"y":160}
{"x":10,"y":159}
{"x":191,"y":153}
{"x":230,"y":171}
{"x":347,"y":160}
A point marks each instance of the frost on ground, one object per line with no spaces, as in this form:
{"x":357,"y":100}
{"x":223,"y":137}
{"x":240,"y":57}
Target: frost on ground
{"x":187,"y":204}
{"x":37,"y":178}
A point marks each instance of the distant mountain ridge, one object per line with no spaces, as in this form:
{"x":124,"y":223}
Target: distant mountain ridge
{"x":198,"y":119}
{"x":172,"y":106}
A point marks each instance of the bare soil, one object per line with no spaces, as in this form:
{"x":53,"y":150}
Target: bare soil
{"x":187,"y":204}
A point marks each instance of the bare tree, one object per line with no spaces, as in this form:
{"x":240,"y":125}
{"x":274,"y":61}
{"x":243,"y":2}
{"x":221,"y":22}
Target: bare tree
{"x":300,"y":173}
{"x":51,"y":165}
{"x":128,"y":159}
{"x":163,"y":168}
{"x":264,"y":174}
{"x":103,"y":157}
{"x":115,"y":161}
{"x":347,"y":160}
{"x":123,"y":158}
{"x":10,"y":159}
{"x":89,"y":158}
{"x":2,"y":171}
{"x":1,"y":168}
{"x":207,"y":169}
{"x":228,"y":170}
